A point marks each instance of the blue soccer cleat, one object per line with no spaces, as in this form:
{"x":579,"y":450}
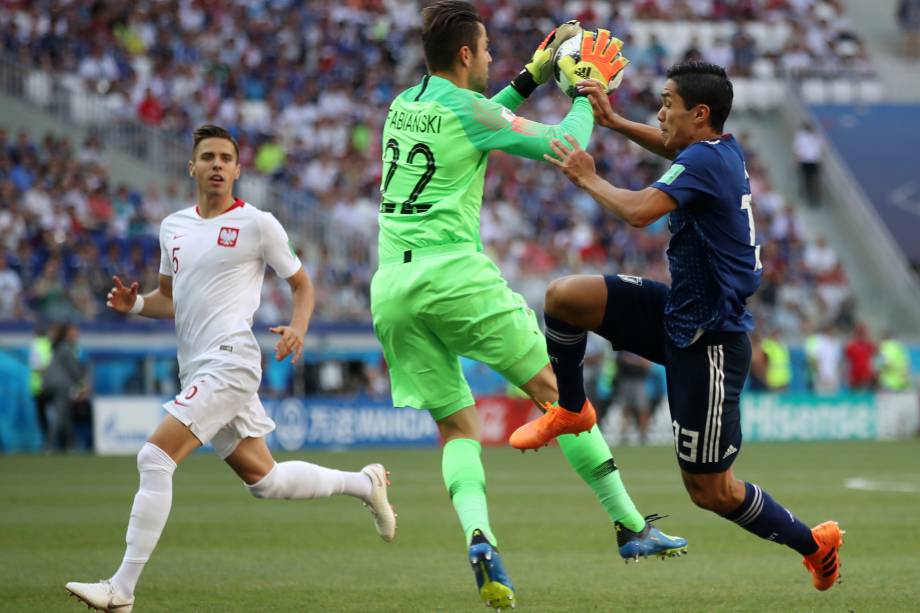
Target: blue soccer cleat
{"x":495,"y":587}
{"x":649,"y":542}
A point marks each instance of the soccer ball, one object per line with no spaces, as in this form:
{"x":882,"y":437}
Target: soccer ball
{"x":572,"y":48}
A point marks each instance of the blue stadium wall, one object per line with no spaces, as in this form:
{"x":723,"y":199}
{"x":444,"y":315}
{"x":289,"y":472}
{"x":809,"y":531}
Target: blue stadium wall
{"x":878,"y":144}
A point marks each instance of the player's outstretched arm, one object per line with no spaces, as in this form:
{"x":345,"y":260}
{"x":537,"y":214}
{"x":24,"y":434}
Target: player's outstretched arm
{"x":292,"y":335}
{"x":638,"y":209}
{"x":646,"y":136}
{"x":491,"y":127}
{"x":157,"y":304}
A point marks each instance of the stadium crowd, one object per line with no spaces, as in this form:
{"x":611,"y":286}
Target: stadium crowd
{"x":65,"y":229}
{"x":282,"y":76}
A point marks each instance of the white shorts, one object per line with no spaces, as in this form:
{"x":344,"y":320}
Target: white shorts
{"x":222,"y":408}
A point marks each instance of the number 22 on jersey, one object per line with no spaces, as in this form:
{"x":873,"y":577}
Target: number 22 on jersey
{"x":410,"y":205}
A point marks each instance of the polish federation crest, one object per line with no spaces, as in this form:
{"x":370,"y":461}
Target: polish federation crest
{"x":227,"y":236}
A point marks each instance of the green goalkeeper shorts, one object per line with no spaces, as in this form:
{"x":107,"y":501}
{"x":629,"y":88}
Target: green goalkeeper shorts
{"x":435,"y":304}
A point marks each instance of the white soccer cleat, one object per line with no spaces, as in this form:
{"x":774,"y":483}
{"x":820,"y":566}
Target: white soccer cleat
{"x":101,"y":596}
{"x":379,"y":506}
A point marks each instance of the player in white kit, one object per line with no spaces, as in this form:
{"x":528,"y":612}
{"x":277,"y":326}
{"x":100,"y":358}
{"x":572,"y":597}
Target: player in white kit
{"x":212,"y":262}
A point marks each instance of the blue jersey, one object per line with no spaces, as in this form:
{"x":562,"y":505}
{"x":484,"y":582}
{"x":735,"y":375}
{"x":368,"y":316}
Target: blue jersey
{"x":713,"y":256}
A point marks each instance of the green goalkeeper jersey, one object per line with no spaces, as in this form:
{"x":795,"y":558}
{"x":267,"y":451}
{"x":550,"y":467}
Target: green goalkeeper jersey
{"x":435,"y":145}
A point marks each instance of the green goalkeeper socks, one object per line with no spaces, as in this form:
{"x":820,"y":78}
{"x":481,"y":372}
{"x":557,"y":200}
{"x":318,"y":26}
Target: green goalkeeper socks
{"x":465,"y":480}
{"x":589,"y":455}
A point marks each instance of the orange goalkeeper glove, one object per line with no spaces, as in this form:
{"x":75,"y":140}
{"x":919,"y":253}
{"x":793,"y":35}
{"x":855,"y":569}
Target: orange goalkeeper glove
{"x":600,"y":61}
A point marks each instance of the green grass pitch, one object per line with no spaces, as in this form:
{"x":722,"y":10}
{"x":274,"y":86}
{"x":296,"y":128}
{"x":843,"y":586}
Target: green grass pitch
{"x":63,"y":518}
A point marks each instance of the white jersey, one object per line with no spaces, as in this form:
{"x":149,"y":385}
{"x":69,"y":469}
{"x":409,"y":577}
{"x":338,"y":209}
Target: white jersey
{"x":217,"y":266}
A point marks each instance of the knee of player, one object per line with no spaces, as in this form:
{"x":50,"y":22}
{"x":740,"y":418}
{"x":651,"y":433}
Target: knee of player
{"x":151,"y":457}
{"x":711,"y":498}
{"x":555,"y":300}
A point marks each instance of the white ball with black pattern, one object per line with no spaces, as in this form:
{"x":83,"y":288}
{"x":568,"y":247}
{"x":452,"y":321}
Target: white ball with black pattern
{"x":572,"y":47}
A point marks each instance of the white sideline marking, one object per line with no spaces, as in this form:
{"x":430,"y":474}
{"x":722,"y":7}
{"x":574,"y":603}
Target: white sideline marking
{"x":858,"y":483}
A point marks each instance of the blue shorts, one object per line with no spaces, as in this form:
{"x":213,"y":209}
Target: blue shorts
{"x":704,"y":379}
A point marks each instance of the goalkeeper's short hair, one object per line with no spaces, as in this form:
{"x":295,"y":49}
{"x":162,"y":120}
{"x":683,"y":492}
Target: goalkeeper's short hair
{"x":448,"y":25}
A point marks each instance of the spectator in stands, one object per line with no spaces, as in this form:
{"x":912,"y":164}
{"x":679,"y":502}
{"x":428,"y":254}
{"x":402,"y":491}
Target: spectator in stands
{"x":796,"y":60}
{"x":10,"y":291}
{"x":809,"y":150}
{"x":82,"y":298}
{"x":40,"y":352}
{"x":757,"y":377}
{"x":719,"y":53}
{"x":12,"y":219}
{"x":598,"y":375}
{"x":48,"y":294}
{"x":744,"y":51}
{"x":630,"y":389}
{"x":91,"y":151}
{"x":821,"y":260}
{"x":150,"y":110}
{"x":98,"y":68}
{"x":270,"y":156}
{"x":589,"y":12}
{"x":909,"y":21}
{"x":66,"y":381}
{"x":860,"y":355}
{"x":778,"y":366}
{"x":893,"y":364}
{"x":694,"y":51}
{"x":37,"y":203}
{"x":824,"y":354}
{"x":24,"y":171}
{"x":653,"y":57}
{"x":99,"y":203}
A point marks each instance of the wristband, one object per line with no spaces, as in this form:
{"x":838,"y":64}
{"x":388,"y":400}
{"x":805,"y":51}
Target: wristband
{"x":524,"y":83}
{"x":138,"y":305}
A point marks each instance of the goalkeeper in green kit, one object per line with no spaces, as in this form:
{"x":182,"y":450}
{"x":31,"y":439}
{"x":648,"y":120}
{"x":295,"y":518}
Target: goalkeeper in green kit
{"x":436,"y":296}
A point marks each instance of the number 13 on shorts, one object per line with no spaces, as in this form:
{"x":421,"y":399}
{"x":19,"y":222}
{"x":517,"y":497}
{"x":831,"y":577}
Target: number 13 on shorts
{"x":685,"y":442}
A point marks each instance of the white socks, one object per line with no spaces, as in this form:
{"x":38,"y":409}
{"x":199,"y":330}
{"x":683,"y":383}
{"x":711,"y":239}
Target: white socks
{"x":302,"y":480}
{"x":292,"y":480}
{"x":148,"y":515}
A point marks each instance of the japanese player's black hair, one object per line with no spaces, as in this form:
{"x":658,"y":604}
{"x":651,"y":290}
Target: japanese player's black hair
{"x":704,"y":83}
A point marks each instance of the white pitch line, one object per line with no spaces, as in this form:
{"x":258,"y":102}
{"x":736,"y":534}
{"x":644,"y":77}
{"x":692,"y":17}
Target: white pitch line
{"x":870,"y":485}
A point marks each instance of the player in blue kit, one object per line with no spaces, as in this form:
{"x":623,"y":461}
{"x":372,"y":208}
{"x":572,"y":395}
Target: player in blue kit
{"x":698,"y":327}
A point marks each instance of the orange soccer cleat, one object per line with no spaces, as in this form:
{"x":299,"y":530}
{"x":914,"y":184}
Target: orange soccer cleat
{"x":552,"y":423}
{"x":824,"y":564}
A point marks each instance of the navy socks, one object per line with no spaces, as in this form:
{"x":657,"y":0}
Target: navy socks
{"x":766,"y":518}
{"x":566,"y":346}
